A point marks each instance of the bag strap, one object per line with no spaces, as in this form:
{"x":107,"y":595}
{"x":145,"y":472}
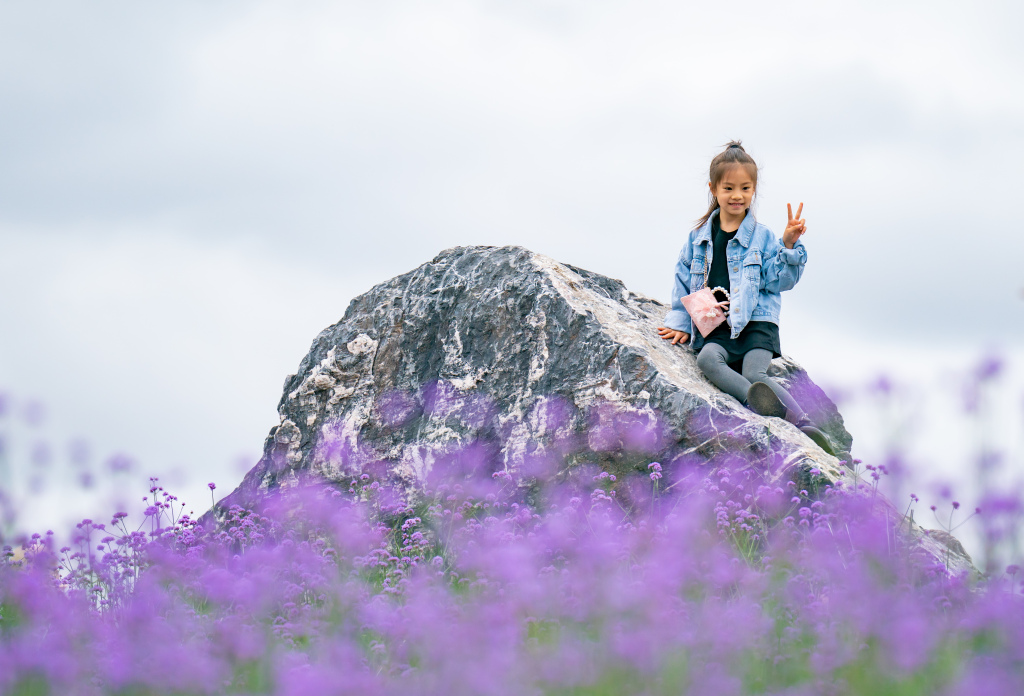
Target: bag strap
{"x":706,"y":265}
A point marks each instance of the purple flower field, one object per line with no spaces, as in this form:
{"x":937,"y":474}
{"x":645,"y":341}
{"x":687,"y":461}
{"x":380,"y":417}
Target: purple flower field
{"x":708,"y":581}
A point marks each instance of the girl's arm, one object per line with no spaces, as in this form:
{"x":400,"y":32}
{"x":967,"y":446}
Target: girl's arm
{"x":678,"y":318}
{"x":782,"y":267}
{"x":784,"y":263}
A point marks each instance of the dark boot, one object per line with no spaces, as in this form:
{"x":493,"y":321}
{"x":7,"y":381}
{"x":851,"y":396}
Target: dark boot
{"x":820,"y":439}
{"x":763,"y":401}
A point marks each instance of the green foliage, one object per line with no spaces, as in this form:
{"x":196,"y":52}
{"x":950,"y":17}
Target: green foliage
{"x":31,"y":685}
{"x":11,"y":617}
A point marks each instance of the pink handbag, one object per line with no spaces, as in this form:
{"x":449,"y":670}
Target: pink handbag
{"x":704,"y":308}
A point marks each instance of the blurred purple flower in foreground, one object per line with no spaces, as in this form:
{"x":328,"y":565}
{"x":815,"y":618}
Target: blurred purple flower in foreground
{"x":476,"y":584}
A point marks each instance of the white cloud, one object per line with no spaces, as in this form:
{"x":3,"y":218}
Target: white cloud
{"x":177,"y":177}
{"x":170,"y":350}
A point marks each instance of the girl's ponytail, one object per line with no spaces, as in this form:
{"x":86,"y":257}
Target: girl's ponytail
{"x":732,"y":155}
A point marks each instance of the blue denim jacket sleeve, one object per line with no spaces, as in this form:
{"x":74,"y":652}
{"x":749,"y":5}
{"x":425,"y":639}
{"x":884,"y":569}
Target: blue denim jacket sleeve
{"x":678,"y":318}
{"x":783,"y":267}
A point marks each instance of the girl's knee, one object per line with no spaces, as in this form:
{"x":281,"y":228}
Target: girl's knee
{"x":752,"y":375}
{"x":709,"y":359}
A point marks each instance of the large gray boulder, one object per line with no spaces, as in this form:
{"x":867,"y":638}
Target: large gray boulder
{"x":540,"y":366}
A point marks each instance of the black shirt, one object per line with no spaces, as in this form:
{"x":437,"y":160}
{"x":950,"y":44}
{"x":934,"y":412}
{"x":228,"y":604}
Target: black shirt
{"x":756,"y":334}
{"x":718,"y":274}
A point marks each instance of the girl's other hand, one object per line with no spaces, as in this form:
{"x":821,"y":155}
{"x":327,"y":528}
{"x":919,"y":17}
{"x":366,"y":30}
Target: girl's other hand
{"x":673,"y":335}
{"x":795,"y":228}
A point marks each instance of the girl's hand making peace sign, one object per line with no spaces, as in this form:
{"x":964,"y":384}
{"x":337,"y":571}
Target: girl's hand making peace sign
{"x":795,"y":228}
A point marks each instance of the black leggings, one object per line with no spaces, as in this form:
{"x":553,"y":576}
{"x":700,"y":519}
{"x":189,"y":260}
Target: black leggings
{"x":713,"y":361}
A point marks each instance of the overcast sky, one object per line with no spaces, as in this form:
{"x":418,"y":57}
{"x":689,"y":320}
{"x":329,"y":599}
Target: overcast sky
{"x":190,"y":191}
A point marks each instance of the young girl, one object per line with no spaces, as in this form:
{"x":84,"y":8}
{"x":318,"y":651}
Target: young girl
{"x":730,"y":249}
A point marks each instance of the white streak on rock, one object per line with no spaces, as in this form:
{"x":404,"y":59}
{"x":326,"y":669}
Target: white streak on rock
{"x":323,"y":382}
{"x":361,"y":344}
{"x":340,"y":392}
{"x":469,"y":381}
{"x":637,"y":330}
{"x":417,"y":461}
{"x":289,"y":435}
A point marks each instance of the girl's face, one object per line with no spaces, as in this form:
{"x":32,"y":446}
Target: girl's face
{"x":734,"y":192}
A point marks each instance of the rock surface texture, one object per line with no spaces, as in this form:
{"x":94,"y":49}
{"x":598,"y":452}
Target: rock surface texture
{"x":541,"y":366}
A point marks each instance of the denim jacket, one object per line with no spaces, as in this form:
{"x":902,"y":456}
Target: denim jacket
{"x":760,"y":267}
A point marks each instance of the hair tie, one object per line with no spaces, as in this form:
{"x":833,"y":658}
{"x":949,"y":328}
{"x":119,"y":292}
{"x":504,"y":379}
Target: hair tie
{"x":736,"y":145}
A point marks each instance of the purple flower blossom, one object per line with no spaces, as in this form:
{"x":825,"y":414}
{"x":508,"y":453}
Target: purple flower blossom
{"x":476,"y":583}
